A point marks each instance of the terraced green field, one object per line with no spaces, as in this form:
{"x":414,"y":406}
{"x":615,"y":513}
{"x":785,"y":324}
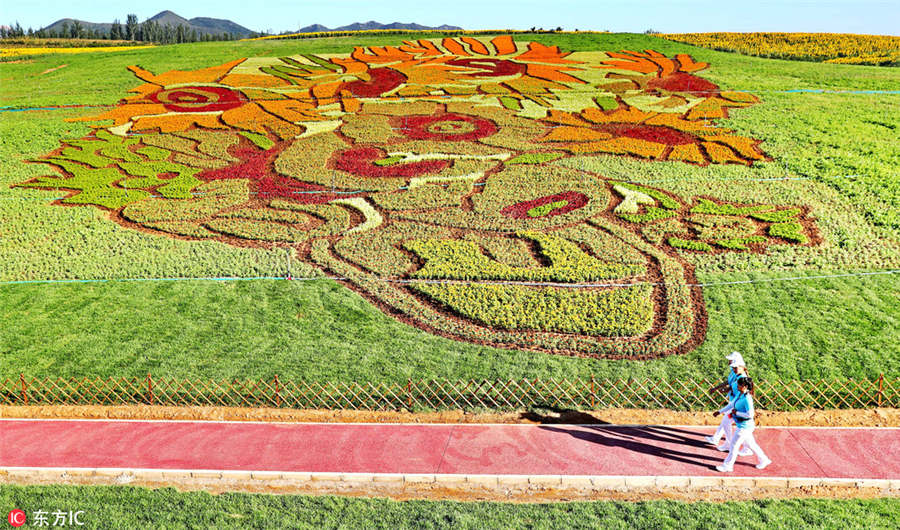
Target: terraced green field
{"x":516,"y":213}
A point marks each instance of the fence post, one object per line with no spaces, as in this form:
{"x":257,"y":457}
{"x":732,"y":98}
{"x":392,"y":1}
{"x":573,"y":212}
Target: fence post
{"x":149,"y":388}
{"x":880,"y":389}
{"x":24,"y":388}
{"x":593,"y":404}
{"x":409,"y":394}
{"x":277,"y":394}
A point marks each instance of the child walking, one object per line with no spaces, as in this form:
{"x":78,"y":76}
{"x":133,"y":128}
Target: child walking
{"x":741,"y":409}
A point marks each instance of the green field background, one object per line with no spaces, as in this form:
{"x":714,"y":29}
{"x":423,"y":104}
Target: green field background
{"x":839,"y":151}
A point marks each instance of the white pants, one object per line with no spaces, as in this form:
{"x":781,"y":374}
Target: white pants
{"x":726,"y":428}
{"x":744,"y":435}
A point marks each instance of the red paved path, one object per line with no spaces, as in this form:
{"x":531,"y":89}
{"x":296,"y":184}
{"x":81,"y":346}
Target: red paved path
{"x":448,"y":449}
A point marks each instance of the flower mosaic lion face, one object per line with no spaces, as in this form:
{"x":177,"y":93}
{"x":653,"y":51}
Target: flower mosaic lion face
{"x":427,"y":177}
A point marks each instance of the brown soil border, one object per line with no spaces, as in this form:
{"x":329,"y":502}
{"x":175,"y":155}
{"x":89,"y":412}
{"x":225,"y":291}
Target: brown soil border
{"x":401,"y":490}
{"x":879,"y":417}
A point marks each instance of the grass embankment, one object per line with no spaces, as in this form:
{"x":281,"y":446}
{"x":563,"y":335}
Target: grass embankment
{"x":127,"y":507}
{"x":844,"y":327}
{"x":839,"y":327}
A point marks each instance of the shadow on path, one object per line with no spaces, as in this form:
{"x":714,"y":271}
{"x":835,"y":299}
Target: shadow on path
{"x":630,"y":438}
{"x":565,"y":416}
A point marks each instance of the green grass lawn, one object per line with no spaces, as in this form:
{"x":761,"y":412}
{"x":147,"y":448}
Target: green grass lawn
{"x":319,"y":330}
{"x":128,"y":507}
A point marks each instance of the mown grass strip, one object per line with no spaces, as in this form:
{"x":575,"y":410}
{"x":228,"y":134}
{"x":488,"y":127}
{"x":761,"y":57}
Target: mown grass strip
{"x":130,"y":507}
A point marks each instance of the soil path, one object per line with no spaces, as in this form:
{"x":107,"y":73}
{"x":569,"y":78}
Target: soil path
{"x":882,"y":417}
{"x":440,"y":449}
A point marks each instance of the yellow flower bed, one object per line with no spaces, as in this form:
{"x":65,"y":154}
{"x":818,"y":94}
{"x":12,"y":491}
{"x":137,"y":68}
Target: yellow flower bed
{"x":25,"y":50}
{"x":843,"y":48}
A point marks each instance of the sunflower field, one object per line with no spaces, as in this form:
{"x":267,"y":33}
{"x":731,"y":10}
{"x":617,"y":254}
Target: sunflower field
{"x":839,"y":48}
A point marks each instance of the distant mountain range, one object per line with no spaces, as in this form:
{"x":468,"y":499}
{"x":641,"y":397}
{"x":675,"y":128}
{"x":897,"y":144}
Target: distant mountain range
{"x":361,"y":26}
{"x":203,"y":25}
{"x":217,"y":26}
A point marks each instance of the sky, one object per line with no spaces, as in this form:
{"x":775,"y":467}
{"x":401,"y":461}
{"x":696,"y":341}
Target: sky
{"x":669,"y":16}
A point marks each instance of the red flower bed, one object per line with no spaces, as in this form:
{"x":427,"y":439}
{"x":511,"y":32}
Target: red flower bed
{"x":651,"y":133}
{"x":682,"y":82}
{"x":381,"y":80}
{"x":255,"y":166}
{"x":446,"y":127}
{"x":360,"y":161}
{"x":490,"y":67}
{"x":198,"y":98}
{"x":572,"y":199}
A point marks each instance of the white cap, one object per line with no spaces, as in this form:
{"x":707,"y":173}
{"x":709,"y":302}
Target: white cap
{"x":736,"y":359}
{"x":732,"y":355}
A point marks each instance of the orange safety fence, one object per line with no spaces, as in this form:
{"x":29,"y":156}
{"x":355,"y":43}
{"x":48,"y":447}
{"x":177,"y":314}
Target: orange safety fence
{"x":442,"y":394}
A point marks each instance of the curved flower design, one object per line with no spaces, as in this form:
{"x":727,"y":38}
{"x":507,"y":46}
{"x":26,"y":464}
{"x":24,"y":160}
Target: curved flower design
{"x":432,"y":177}
{"x":363,"y":161}
{"x":380,"y":82}
{"x":178,"y":101}
{"x":448,"y":127}
{"x":653,"y":135}
{"x":198,"y":98}
{"x":651,"y":81}
{"x":547,"y":206}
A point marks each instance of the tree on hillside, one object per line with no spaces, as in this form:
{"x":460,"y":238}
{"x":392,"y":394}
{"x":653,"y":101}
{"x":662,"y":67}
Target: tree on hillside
{"x":131,"y":27}
{"x":76,"y":30}
{"x":115,"y":31}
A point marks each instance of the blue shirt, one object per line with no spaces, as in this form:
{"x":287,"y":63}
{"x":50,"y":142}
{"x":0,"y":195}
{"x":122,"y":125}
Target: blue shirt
{"x":743,"y":410}
{"x":733,"y":378}
{"x":732,"y":382}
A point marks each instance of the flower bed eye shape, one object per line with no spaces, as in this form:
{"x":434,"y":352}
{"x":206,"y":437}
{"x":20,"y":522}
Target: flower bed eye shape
{"x":549,"y":205}
{"x":446,"y":127}
{"x":544,"y":209}
{"x":198,"y":99}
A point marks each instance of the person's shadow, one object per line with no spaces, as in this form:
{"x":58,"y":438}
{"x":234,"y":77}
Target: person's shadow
{"x":633,"y":438}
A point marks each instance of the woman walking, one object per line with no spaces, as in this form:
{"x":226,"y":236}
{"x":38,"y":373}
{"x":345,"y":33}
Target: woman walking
{"x":741,"y":409}
{"x":737,"y":368}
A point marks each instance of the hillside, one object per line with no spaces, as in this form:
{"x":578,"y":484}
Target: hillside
{"x":218,"y":25}
{"x":67,"y":22}
{"x":203,"y":25}
{"x":371,"y":25}
{"x":168,"y":17}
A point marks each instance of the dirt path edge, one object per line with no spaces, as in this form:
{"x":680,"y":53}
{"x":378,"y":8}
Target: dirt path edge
{"x":881,"y":417}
